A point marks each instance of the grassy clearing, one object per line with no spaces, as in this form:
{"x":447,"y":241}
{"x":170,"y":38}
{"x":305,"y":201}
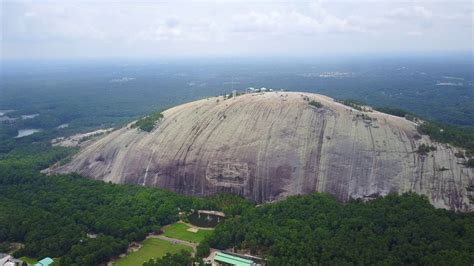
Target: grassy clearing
{"x":152,"y":248}
{"x":180,"y":231}
{"x":29,"y":260}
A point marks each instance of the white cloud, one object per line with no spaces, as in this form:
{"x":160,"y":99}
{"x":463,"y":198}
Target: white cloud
{"x":293,"y":23}
{"x":236,"y":26}
{"x":422,"y":12}
{"x":410,"y":13}
{"x":414,"y":33}
{"x":172,"y":29}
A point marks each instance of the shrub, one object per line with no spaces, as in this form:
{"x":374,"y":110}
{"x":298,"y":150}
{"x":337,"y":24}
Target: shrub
{"x":203,"y":249}
{"x":354,"y":104}
{"x":315,"y":104}
{"x":148,"y":123}
{"x":425,"y":149}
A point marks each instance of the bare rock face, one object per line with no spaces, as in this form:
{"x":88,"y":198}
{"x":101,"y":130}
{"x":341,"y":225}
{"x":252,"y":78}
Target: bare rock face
{"x":268,"y":146}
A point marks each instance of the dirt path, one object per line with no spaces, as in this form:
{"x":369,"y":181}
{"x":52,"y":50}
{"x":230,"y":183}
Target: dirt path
{"x":195,"y":226}
{"x":176,"y":241}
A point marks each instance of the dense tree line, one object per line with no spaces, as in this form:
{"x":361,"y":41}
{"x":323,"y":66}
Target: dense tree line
{"x":183,"y":258}
{"x":82,"y":221}
{"x":317,"y":230}
{"x":53,"y":216}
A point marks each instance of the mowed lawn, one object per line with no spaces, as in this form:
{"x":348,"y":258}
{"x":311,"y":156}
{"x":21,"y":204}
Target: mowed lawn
{"x":152,"y":248}
{"x":29,"y":260}
{"x":180,"y":231}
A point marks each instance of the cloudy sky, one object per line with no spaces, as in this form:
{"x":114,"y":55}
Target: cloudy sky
{"x":168,"y":28}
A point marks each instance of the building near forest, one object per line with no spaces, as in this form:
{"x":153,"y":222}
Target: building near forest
{"x":7,"y":260}
{"x":227,"y":259}
{"x":45,"y":262}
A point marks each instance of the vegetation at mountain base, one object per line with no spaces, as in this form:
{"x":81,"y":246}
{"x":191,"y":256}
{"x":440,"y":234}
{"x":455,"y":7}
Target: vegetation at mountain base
{"x":177,"y":259}
{"x":55,"y":215}
{"x":317,"y":230}
{"x":148,"y":122}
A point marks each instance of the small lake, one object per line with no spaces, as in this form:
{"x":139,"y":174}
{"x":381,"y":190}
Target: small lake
{"x":27,"y":132}
{"x":205,"y":220}
{"x":3,"y":112}
{"x":29,"y":116}
{"x":62,"y":126}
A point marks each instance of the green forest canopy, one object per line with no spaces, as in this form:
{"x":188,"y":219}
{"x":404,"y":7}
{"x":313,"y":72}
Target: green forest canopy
{"x":52,"y":215}
{"x":317,"y":230}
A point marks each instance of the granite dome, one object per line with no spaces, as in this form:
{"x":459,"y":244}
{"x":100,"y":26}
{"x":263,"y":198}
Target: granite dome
{"x":266,"y":146}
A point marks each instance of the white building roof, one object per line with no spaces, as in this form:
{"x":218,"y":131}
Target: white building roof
{"x":4,"y":259}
